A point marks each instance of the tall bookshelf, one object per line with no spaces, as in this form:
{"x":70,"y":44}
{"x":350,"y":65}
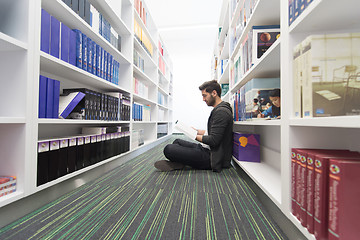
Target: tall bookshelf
{"x":273,"y":174}
{"x":22,"y":62}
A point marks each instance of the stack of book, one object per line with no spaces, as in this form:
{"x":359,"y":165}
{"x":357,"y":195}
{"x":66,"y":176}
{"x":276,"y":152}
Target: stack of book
{"x":60,"y":156}
{"x":140,"y":88}
{"x":139,"y":61}
{"x":49,"y":92}
{"x":141,"y":112}
{"x":7,"y":185}
{"x":143,"y":38}
{"x":326,"y":76}
{"x":324,"y":191}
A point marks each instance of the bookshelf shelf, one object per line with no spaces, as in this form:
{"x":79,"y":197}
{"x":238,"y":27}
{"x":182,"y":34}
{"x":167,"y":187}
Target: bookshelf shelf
{"x":53,"y":67}
{"x":23,"y":62}
{"x":267,"y":66}
{"x":267,"y":177}
{"x":318,"y":17}
{"x":273,"y":174}
{"x":8,"y":43}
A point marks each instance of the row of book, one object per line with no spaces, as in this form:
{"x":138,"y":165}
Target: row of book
{"x":254,"y":100}
{"x":139,"y":61}
{"x":324,"y":191}
{"x":76,"y":48}
{"x":7,"y":185}
{"x":255,"y":44}
{"x":61,"y":156}
{"x":296,"y":7}
{"x":245,"y":12}
{"x":140,"y":88}
{"x":143,"y":38}
{"x":222,"y":65}
{"x":112,"y":106}
{"x":96,"y":20}
{"x":141,"y":112}
{"x":326,"y":75}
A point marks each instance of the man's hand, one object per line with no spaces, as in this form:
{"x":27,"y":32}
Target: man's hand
{"x":199,"y":138}
{"x":199,"y":132}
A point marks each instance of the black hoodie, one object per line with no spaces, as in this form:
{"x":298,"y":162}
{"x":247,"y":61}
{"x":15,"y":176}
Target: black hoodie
{"x":219,"y":138}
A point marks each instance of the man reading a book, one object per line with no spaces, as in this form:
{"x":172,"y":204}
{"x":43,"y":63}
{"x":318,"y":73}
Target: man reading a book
{"x":214,"y":148}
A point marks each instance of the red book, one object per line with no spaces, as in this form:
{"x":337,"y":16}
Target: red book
{"x":301,"y":184}
{"x":311,"y":153}
{"x":344,"y":195}
{"x":321,"y":198}
{"x":294,"y":205}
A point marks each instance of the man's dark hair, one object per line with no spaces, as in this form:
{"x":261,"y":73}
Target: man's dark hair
{"x":210,"y":86}
{"x":274,"y":93}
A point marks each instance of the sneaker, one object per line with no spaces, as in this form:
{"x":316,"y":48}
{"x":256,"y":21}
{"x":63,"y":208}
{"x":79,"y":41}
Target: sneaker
{"x":167,"y":166}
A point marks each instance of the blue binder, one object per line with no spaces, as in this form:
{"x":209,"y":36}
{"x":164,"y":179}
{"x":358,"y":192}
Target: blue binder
{"x":54,"y":37}
{"x":78,"y":37}
{"x":56,"y":95}
{"x":84,"y":52}
{"x":89,"y":55}
{"x":72,"y":48}
{"x":42,"y":96}
{"x":45,"y":31}
{"x":65,"y":42}
{"x":49,"y":98}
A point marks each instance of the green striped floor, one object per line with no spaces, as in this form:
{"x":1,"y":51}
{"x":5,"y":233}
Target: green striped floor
{"x":135,"y":201}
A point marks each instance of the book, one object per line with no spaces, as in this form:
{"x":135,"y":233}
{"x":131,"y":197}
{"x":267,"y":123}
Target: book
{"x":71,"y":157}
{"x":321,"y":194}
{"x":7,"y":185}
{"x":45,"y":31}
{"x":72,"y":47}
{"x":79,"y":153}
{"x":297,"y":81}
{"x":344,"y":208}
{"x":291,"y":11}
{"x":54,"y":159}
{"x":54,"y":37}
{"x":43,"y":162}
{"x":42,"y":96}
{"x":69,"y":102}
{"x":187,"y":130}
{"x":79,"y":48}
{"x":246,"y":147}
{"x":65,"y":43}
{"x":330,"y":75}
{"x":56,"y":96}
{"x":50,"y":98}
{"x":84,"y":52}
{"x":63,"y":157}
{"x":75,"y":6}
{"x":263,"y":37}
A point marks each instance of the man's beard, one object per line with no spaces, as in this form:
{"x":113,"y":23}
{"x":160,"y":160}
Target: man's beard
{"x":211,"y":101}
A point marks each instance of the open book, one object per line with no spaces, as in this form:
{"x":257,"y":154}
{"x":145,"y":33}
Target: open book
{"x":187,"y":130}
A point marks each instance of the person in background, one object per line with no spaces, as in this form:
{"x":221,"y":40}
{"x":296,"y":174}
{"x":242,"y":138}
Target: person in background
{"x":274,"y":110}
{"x":214,"y":148}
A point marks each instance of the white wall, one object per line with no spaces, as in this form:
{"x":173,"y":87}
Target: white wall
{"x":191,"y":51}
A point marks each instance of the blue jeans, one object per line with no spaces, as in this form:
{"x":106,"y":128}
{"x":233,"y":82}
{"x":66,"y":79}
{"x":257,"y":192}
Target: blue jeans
{"x":188,"y":153}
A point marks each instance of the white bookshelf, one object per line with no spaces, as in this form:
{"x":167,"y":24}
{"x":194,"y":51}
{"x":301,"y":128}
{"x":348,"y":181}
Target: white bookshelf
{"x":273,"y":174}
{"x":21,"y":63}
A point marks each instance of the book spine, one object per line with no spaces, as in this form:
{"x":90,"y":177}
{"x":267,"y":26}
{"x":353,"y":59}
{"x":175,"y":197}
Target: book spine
{"x":42,"y":96}
{"x":310,"y":193}
{"x":49,"y":98}
{"x":84,"y":52}
{"x":71,"y":157}
{"x":54,"y":37}
{"x":63,"y":157}
{"x":72,"y":47}
{"x":294,"y":205}
{"x":43,"y":163}
{"x":65,"y":42}
{"x":45,"y":31}
{"x":56,"y":96}
{"x":79,"y":48}
{"x":89,"y":55}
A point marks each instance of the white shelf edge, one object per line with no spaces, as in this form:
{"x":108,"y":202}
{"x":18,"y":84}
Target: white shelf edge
{"x":144,"y":122}
{"x":10,"y":198}
{"x":258,"y":68}
{"x":75,"y":121}
{"x":334,"y":122}
{"x":12,"y":120}
{"x":8,"y":43}
{"x":137,"y":97}
{"x":260,"y":122}
{"x":270,"y":185}
{"x":143,"y":75}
